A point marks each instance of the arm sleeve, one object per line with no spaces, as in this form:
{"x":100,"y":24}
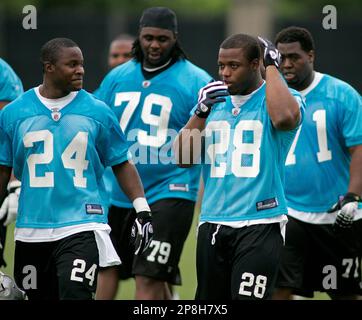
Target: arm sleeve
{"x":352,"y":118}
{"x":10,"y":86}
{"x":6,"y":157}
{"x":112,"y":144}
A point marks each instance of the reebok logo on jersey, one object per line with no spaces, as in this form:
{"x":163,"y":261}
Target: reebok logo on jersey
{"x":179,"y":187}
{"x":267,"y":204}
{"x":93,"y":209}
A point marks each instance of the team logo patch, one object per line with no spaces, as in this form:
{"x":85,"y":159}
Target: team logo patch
{"x":56,"y":114}
{"x":146,"y":83}
{"x":235,"y":111}
{"x":93,"y":208}
{"x":267,"y":204}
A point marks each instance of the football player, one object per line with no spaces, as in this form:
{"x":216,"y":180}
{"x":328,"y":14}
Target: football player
{"x":10,"y":88}
{"x":323,"y":168}
{"x":58,"y":139}
{"x":248,"y":125}
{"x":152,"y":96}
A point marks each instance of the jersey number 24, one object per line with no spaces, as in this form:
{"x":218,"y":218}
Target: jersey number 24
{"x":73,"y":157}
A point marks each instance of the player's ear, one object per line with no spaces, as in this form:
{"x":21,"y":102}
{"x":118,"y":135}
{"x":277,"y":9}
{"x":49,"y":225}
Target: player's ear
{"x":311,"y":56}
{"x":48,"y":66}
{"x":255,"y":64}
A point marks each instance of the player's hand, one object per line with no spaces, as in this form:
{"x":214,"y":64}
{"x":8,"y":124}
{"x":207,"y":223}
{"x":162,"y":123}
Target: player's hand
{"x":142,"y":232}
{"x":9,"y":207}
{"x":212,"y":93}
{"x":271,"y":54}
{"x":9,"y":290}
{"x":346,"y":210}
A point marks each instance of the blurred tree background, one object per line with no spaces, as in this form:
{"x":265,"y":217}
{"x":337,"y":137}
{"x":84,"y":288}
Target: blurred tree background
{"x":203,"y":24}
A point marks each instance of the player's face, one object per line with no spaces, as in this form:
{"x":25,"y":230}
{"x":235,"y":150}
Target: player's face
{"x":156,"y":45}
{"x":120,"y":52}
{"x":236,"y":71}
{"x":296,"y":65}
{"x":67,"y":72}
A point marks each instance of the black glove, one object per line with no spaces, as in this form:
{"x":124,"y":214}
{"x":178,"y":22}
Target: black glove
{"x":209,"y":95}
{"x":347,"y":207}
{"x":271,"y":54}
{"x":142,"y":232}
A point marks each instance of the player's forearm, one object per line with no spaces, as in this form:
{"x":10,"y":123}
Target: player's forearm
{"x":5,"y":173}
{"x":355,"y":181}
{"x":129,"y":180}
{"x":282,"y":107}
{"x":188,"y":144}
{"x":3,"y":104}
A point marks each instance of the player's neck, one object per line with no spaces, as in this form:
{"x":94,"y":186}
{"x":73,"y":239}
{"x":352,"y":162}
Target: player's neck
{"x":147,"y":67}
{"x":50,"y":92}
{"x":254,"y":85}
{"x":305,"y":83}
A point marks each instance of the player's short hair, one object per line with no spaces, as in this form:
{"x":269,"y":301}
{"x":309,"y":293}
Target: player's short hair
{"x":176,"y":52}
{"x":249,"y":44}
{"x":124,"y":37}
{"x":296,"y":34}
{"x":50,"y":50}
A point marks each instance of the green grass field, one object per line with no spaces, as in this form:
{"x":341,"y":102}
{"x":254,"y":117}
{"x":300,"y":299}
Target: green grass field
{"x":127,"y":288}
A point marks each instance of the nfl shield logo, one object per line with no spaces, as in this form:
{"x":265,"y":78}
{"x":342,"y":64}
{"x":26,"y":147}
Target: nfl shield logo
{"x":146,"y":83}
{"x":56,"y":115}
{"x":235,"y":111}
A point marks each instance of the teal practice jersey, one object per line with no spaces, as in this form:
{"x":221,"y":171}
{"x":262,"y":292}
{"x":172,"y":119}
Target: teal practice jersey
{"x":10,"y":84}
{"x":317,"y":166}
{"x":243,"y":164}
{"x":60,"y":158}
{"x":151,"y":113}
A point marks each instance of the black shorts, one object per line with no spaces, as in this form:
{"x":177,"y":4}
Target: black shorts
{"x":121,"y":221}
{"x":65,"y":269}
{"x":172,"y":219}
{"x":315,"y":258}
{"x":237,"y":263}
{"x":2,"y":242}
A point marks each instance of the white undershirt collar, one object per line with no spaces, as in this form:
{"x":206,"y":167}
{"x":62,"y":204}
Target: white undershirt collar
{"x":317,"y":78}
{"x":59,"y":103}
{"x":156,"y":68}
{"x":239,"y":100}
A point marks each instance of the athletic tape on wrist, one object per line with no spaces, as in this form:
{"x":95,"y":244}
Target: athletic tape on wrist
{"x":140,"y":204}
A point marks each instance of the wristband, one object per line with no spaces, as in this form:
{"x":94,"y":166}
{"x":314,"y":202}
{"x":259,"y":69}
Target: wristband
{"x":140,"y":204}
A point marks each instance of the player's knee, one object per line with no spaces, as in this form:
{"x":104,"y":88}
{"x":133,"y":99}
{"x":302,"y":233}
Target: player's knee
{"x":143,"y":282}
{"x":282,"y":294}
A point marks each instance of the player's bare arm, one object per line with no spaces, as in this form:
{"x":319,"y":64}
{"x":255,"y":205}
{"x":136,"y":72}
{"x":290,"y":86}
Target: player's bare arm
{"x":5,"y":173}
{"x":282,"y":107}
{"x":355,"y":181}
{"x":187,"y":145}
{"x":129,"y":180}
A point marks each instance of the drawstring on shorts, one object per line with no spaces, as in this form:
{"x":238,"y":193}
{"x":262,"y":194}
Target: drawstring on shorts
{"x":213,"y":240}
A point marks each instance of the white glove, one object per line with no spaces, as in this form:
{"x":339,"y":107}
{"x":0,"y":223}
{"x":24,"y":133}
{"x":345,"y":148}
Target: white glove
{"x":9,"y":208}
{"x":9,"y":290}
{"x":346,"y":209}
